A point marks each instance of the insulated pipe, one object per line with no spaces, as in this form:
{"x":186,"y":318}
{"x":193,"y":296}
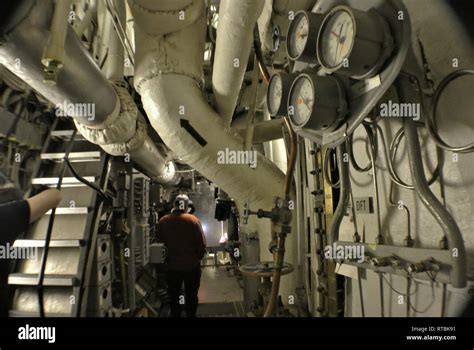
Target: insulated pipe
{"x":116,"y":125}
{"x":235,"y":36}
{"x":345,"y":190}
{"x":168,"y":74}
{"x":21,"y":50}
{"x":165,"y":16}
{"x":439,"y":212}
{"x":264,"y":131}
{"x":163,"y":97}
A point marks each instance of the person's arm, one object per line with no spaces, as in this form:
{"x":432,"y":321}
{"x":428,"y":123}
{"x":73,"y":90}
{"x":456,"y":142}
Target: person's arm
{"x":161,"y":235}
{"x":201,"y":241}
{"x":43,"y":202}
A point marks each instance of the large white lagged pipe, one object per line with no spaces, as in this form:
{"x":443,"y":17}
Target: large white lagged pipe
{"x":168,"y":75}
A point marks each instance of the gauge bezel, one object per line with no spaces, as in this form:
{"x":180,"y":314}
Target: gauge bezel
{"x":286,"y":83}
{"x":319,"y":49}
{"x":290,"y":37}
{"x":307,"y":55}
{"x":290,"y":95}
{"x":272,"y":80}
{"x":329,"y":106}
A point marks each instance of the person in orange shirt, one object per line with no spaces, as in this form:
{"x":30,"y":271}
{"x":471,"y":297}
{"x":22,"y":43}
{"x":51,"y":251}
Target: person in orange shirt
{"x":183,"y":236}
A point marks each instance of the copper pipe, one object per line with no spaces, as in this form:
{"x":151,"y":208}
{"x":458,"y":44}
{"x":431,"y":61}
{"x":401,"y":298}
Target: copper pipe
{"x":261,"y":63}
{"x":292,"y":159}
{"x":280,"y":252}
{"x":264,"y":72}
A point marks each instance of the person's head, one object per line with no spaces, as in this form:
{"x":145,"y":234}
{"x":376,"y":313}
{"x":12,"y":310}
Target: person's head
{"x":181,"y":203}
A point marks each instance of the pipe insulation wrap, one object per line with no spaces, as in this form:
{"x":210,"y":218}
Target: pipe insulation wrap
{"x":119,"y":129}
{"x":234,"y":42}
{"x":162,"y":99}
{"x":174,"y":53}
{"x":165,"y":16}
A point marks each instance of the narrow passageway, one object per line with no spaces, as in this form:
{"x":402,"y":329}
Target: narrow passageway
{"x":220,"y":294}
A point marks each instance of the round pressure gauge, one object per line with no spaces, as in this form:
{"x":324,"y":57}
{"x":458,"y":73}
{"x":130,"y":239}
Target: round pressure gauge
{"x":277,"y":93}
{"x":316,"y":103}
{"x":303,"y":35}
{"x":353,"y":42}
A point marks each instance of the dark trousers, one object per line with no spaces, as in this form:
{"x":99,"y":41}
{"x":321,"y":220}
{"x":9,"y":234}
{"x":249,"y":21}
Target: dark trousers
{"x":192,"y":281}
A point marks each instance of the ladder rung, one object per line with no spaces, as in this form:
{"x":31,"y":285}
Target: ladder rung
{"x":16,"y":313}
{"x":67,"y":181}
{"x":92,"y":156}
{"x":66,"y":135}
{"x":69,"y":211}
{"x":58,"y":243}
{"x":31,"y":279}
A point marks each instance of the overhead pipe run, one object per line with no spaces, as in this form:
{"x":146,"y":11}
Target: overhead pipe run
{"x":113,"y":122}
{"x":22,"y":49}
{"x":168,"y":76}
{"x":235,"y":36}
{"x":171,"y":94}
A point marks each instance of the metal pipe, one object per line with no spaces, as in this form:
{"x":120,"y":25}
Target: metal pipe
{"x":87,"y":19}
{"x":268,"y":130}
{"x":115,"y":55}
{"x":344,"y":195}
{"x":280,"y":252}
{"x":21,"y":52}
{"x":235,"y":36}
{"x":434,"y":206}
{"x":53,"y":54}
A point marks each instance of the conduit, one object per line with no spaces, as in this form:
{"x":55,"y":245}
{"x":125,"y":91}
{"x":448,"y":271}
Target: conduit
{"x":453,"y":234}
{"x":439,"y":212}
{"x":345,"y":190}
{"x":235,"y":36}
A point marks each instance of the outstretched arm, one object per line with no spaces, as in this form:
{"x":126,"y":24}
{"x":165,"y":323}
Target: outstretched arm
{"x":43,"y":202}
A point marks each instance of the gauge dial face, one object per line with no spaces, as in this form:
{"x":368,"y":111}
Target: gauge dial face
{"x":298,"y":36}
{"x":337,"y":39}
{"x":275,"y":93}
{"x":301,"y":101}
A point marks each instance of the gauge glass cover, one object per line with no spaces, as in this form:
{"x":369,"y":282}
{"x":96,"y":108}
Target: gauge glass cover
{"x":337,"y":39}
{"x":299,"y":35}
{"x":275,"y":92}
{"x":301,"y":101}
